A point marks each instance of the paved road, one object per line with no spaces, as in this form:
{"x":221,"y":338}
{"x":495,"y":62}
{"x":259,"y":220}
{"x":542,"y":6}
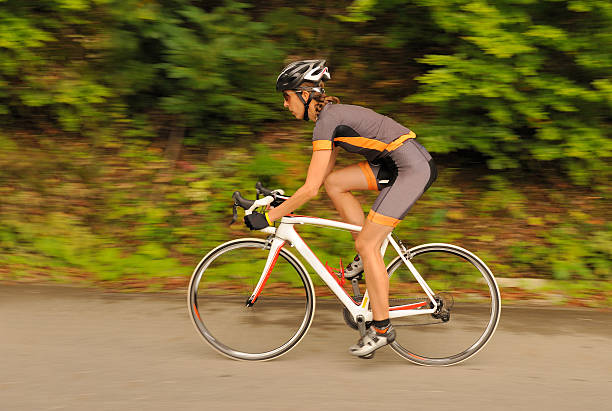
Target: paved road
{"x":73,"y":349}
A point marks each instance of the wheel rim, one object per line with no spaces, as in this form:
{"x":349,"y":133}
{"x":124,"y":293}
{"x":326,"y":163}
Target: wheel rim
{"x":223,"y":281}
{"x":473,"y":319}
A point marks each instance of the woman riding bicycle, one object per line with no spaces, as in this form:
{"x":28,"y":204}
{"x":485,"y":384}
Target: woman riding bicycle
{"x":397,"y":166}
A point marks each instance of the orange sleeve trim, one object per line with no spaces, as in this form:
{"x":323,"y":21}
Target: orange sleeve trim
{"x":374,"y":217}
{"x":369,"y":175}
{"x":398,"y":141}
{"x":321,"y":145}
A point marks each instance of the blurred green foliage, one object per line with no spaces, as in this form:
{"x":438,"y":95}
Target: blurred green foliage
{"x":519,"y":81}
{"x":146,"y":68}
{"x":97,"y":99}
{"x":126,"y":211}
{"x":523,"y":83}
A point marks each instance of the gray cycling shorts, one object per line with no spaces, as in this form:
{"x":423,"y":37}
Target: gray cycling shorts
{"x":402,"y":177}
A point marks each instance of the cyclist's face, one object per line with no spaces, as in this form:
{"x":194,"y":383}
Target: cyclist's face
{"x":293,"y":103}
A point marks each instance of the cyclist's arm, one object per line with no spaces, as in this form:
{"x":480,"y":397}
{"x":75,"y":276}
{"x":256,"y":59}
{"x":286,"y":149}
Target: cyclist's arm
{"x":321,"y":164}
{"x":332,"y":162}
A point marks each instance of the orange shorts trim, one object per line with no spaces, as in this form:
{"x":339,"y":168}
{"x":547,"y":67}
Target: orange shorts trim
{"x":374,"y":217}
{"x":369,"y":175}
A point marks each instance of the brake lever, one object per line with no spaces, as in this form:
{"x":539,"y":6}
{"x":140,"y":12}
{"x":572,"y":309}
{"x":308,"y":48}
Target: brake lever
{"x":235,"y":214}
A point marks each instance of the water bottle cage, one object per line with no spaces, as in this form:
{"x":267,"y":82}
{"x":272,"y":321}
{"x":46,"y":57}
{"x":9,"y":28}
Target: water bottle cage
{"x":338,"y":274}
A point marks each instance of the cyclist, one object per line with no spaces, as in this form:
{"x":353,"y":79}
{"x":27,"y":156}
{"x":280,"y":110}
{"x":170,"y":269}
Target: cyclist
{"x":397,"y":166}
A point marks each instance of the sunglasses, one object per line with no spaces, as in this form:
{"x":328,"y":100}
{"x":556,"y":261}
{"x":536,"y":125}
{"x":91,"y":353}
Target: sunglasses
{"x":286,"y":95}
{"x":317,"y":89}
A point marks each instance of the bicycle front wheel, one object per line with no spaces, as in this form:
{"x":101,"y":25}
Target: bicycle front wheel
{"x":469,"y":300}
{"x":224,"y":280}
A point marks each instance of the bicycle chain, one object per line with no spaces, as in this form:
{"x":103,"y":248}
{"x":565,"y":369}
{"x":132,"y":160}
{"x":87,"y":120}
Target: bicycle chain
{"x":411,"y":325}
{"x":401,"y":300}
{"x":395,"y":300}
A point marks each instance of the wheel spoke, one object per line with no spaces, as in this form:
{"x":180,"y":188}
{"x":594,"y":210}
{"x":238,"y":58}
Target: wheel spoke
{"x":221,"y":286}
{"x":468,"y":305}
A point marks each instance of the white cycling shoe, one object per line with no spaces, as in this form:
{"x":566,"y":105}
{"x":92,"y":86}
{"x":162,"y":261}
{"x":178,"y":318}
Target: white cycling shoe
{"x":372,"y":341}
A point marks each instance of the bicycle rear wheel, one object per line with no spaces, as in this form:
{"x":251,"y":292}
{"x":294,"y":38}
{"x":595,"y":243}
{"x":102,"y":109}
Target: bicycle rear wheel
{"x":224,"y":280}
{"x":469,"y":297}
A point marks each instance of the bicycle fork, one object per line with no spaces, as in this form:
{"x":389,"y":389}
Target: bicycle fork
{"x":275,"y":248}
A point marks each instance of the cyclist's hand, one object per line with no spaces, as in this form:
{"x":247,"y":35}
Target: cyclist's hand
{"x":257,"y":221}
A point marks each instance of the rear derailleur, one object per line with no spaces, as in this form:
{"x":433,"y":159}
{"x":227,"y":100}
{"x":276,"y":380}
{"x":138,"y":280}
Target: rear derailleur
{"x":445,"y":304}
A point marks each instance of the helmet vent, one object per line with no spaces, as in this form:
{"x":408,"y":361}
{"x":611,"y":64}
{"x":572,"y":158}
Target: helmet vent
{"x":298,"y":72}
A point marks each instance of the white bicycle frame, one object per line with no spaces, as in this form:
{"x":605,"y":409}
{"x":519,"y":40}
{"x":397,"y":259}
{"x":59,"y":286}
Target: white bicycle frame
{"x":285,"y":233}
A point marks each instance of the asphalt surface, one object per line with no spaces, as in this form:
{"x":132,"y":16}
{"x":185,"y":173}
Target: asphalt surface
{"x":65,"y":348}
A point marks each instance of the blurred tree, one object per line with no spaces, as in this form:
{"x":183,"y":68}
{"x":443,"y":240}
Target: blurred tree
{"x":518,"y":80}
{"x":188,"y":69}
{"x":160,"y":67}
{"x":49,"y":53}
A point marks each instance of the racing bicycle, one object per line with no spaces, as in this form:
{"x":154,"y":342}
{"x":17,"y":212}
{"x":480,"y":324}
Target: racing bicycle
{"x":252,"y":299}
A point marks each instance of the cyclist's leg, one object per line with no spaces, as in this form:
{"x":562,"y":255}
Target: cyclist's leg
{"x":339,"y":185}
{"x":380,"y":332}
{"x":368,"y":245}
{"x":415,"y":174}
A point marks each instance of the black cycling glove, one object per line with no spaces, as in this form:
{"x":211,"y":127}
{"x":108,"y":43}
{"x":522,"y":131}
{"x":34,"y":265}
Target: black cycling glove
{"x":257,"y":221}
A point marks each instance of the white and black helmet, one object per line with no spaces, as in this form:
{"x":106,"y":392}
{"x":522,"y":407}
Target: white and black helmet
{"x":300,"y":71}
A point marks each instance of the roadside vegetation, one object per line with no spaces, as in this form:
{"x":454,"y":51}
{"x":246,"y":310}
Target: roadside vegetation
{"x":125,"y":126}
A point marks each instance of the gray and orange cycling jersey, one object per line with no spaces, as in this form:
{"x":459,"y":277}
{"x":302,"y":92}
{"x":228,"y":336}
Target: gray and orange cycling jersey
{"x":358,"y":130}
{"x":399,"y":167}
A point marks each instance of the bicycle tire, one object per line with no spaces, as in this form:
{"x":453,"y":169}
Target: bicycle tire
{"x":206,"y":299}
{"x":490,"y":311}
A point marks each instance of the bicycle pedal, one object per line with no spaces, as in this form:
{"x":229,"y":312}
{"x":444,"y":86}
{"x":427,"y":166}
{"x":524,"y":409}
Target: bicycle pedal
{"x":358,"y":277}
{"x":367,"y":356}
